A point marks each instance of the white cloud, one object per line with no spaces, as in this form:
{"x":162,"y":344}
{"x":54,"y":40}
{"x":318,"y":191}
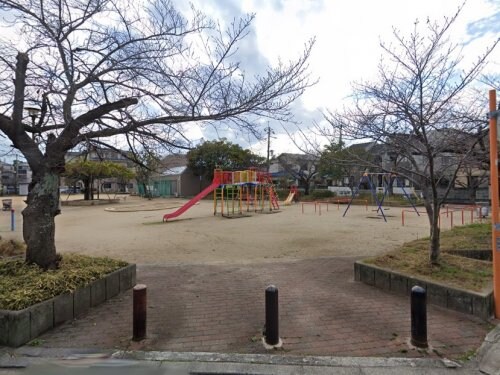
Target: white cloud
{"x":348,"y":41}
{"x":348,"y":36}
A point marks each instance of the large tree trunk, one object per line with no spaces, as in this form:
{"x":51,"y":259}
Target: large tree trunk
{"x":38,"y":220}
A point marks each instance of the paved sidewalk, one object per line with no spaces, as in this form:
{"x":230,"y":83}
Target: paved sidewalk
{"x":219,"y":308}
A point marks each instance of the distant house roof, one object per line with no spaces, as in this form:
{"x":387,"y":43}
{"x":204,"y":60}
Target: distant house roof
{"x":296,"y":157}
{"x":366,"y":146}
{"x":101,"y":154}
{"x":174,"y":160}
{"x":174,"y":171}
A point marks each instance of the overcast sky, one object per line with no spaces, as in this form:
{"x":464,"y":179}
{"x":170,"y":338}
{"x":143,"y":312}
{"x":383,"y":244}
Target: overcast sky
{"x":348,"y":35}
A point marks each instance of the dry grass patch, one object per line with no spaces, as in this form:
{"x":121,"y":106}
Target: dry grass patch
{"x":23,"y":285}
{"x":456,"y":271}
{"x":468,"y":237}
{"x":9,"y":248}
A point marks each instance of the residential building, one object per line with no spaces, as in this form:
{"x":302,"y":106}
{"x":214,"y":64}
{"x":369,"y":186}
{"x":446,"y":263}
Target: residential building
{"x":102,"y":185}
{"x":174,"y":178}
{"x":468,"y":173}
{"x":16,"y":178}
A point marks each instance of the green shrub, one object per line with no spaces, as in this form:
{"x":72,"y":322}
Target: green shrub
{"x":321,"y":194}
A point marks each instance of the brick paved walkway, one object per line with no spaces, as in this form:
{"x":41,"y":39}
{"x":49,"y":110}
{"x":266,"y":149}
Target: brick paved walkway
{"x":219,"y":308}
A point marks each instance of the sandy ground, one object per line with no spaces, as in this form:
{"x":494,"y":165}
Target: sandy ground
{"x":133,"y":230}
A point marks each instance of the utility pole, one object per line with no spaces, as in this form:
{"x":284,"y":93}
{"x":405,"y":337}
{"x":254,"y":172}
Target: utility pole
{"x":16,"y":168}
{"x":340,"y":137}
{"x":268,"y":160}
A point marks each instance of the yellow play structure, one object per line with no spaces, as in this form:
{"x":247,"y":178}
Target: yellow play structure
{"x":239,"y":191}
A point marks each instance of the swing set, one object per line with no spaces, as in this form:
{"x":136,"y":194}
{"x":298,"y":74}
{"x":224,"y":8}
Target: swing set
{"x":388,"y":180}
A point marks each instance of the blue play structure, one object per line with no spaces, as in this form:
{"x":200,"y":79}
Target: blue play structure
{"x":388,"y":180}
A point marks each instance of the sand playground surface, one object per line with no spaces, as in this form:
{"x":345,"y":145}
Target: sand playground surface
{"x":133,"y":230}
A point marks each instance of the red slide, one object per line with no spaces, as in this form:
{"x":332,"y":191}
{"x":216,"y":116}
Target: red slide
{"x":192,"y":202}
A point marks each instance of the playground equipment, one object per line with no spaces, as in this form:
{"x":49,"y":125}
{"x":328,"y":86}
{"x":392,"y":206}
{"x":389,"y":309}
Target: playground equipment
{"x":338,"y":201}
{"x":192,"y":202}
{"x":317,"y":205}
{"x":244,"y":191}
{"x":293,"y":193}
{"x":6,"y":204}
{"x":448,"y":211}
{"x":388,"y":180}
{"x":235,"y":191}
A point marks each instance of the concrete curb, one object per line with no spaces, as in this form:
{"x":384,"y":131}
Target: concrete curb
{"x":84,"y":203}
{"x":23,"y":357}
{"x":284,"y":360}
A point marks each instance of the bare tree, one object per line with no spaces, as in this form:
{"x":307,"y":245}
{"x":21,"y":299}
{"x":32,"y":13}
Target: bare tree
{"x":111,"y":71}
{"x":303,"y":168}
{"x":475,"y":170}
{"x":423,"y":111}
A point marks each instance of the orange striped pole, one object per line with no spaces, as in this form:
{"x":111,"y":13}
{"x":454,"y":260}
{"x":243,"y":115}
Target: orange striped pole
{"x":222,"y":200}
{"x":215,"y":202}
{"x":494,"y":200}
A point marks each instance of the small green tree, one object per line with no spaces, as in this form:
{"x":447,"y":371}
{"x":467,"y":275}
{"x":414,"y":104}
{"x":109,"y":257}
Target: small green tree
{"x":337,"y":162}
{"x":330,"y":164}
{"x":147,"y":162}
{"x":204,"y":158}
{"x":88,"y":171}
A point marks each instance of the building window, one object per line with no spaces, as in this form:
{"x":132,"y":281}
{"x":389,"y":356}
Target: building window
{"x":106,"y":185}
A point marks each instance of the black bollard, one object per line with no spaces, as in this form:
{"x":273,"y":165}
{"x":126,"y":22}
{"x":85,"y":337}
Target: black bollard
{"x":272,"y":335}
{"x":140,"y":310}
{"x":419,"y":317}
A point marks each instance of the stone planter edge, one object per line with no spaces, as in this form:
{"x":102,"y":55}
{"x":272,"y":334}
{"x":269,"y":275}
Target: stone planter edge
{"x":466,"y":301}
{"x":17,"y":327}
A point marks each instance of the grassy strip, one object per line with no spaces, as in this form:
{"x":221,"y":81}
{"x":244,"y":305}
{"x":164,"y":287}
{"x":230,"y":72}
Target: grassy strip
{"x":468,"y":237}
{"x":23,"y":285}
{"x":413,"y":258}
